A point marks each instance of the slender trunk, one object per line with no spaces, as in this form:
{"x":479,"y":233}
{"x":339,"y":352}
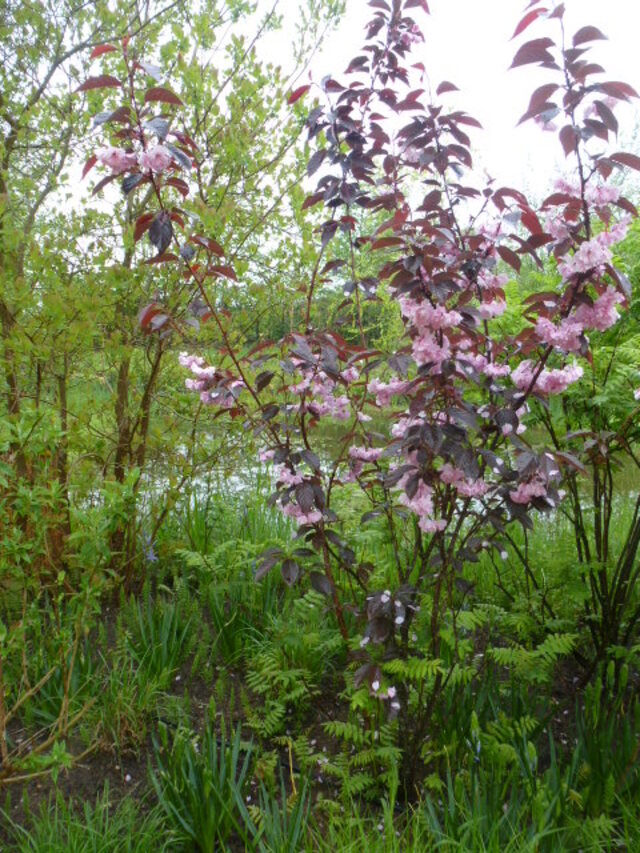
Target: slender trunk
{"x":61,"y":527}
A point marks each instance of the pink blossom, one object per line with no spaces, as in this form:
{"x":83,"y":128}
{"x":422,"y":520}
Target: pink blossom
{"x":617,"y":232}
{"x":636,"y":394}
{"x":450,"y":475}
{"x":411,"y":155}
{"x":223,"y":397}
{"x":351,"y":374}
{"x":400,"y":427}
{"x":289,"y":477}
{"x":365,"y":454}
{"x":489,"y":310}
{"x":563,"y":186}
{"x":116,"y":159}
{"x":481,"y":364}
{"x":422,"y":502}
{"x":555,"y":226}
{"x":465,"y":486}
{"x":425,"y":316}
{"x":565,"y":336}
{"x":384,"y":391}
{"x":156,"y":159}
{"x":301,"y":386}
{"x":426,"y":349}
{"x":592,"y":254}
{"x":603,"y":194}
{"x":602,"y":314}
{"x":490,"y":229}
{"x":294,"y":511}
{"x":535,"y":488}
{"x":354,"y":472}
{"x":548,"y":381}
{"x":432,"y":525}
{"x":266,"y":455}
{"x":187,"y":360}
{"x":489,"y":281}
{"x":334,"y":407}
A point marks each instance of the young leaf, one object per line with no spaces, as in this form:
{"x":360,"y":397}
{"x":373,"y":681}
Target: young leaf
{"x":226,"y":271}
{"x":510,"y":257}
{"x":446,"y":86}
{"x":146,"y":314}
{"x":533,"y":51}
{"x":88,"y":166}
{"x":103,"y":183}
{"x":159,"y":93}
{"x":625,"y":159}
{"x":142,"y":225}
{"x":297,"y":94}
{"x":101,"y":49}
{"x":105,"y":81}
{"x":569,"y":137}
{"x":587,"y":34}
{"x":528,"y":19}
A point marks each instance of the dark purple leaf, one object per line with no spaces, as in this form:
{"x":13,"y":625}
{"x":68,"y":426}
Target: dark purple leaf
{"x":290,"y":572}
{"x":104,"y":81}
{"x":161,"y":231}
{"x":586,"y":34}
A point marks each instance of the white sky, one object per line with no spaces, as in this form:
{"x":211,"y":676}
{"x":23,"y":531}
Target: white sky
{"x":468,"y":43}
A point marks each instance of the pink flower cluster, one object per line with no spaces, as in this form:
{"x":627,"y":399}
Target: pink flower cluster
{"x":548,"y":381}
{"x":325,"y":404}
{"x":223,"y":395}
{"x":365,"y":454}
{"x":292,"y":510}
{"x":384,"y":391}
{"x":534,"y":488}
{"x":422,"y":504}
{"x":594,"y":253}
{"x":481,"y":364}
{"x":602,"y":314}
{"x":116,"y":159}
{"x":289,"y":477}
{"x":155,"y":159}
{"x":429,"y":349}
{"x":602,"y":194}
{"x":565,"y":336}
{"x":464,"y":486}
{"x":423,"y":315}
{"x":489,"y":281}
{"x":494,"y":308}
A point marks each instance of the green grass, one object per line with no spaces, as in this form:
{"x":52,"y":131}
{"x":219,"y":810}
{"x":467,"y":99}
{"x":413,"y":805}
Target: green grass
{"x":68,"y":827}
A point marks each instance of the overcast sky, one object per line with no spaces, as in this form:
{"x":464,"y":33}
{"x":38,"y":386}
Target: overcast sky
{"x":468,"y":43}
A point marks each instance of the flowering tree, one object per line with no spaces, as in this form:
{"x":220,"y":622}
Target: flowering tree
{"x":433,"y":435}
